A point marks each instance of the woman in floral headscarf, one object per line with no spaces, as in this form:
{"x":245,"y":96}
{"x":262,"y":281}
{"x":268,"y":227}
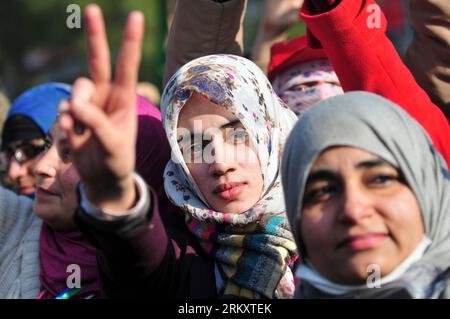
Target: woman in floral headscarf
{"x":233,"y":207}
{"x":226,"y":128}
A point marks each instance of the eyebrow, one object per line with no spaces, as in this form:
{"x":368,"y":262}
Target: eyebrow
{"x":372,"y":163}
{"x":321,"y":174}
{"x":232,"y":123}
{"x":326,"y":174}
{"x":192,"y":137}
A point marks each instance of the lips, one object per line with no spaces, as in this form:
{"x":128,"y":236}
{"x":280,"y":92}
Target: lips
{"x":363,"y":241}
{"x":229,"y":191}
{"x":41,"y":192}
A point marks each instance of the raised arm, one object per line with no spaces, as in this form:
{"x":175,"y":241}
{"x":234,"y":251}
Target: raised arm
{"x":117,"y":212}
{"x":428,"y":56}
{"x":278,"y":17}
{"x":353,"y":34}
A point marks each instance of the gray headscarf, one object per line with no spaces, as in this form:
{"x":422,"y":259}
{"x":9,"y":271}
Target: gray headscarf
{"x":376,"y":125}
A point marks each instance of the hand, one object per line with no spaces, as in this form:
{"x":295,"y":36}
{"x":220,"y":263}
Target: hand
{"x":280,"y":15}
{"x":101,"y":121}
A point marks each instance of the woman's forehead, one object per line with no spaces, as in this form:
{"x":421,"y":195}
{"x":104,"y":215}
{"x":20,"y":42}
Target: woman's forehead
{"x":199,"y":111}
{"x":345,"y":156}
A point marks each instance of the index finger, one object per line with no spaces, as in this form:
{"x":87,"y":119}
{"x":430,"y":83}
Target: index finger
{"x":98,"y":49}
{"x":130,"y":52}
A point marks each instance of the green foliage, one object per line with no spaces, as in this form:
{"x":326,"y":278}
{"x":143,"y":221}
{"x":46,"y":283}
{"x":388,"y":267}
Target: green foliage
{"x":37,"y":46}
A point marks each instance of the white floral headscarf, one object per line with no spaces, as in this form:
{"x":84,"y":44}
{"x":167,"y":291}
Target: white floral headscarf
{"x":289,"y":84}
{"x":254,"y":248}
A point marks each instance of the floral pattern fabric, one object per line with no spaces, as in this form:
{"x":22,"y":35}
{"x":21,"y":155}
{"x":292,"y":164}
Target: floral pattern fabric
{"x":295,"y":85}
{"x":252,"y":249}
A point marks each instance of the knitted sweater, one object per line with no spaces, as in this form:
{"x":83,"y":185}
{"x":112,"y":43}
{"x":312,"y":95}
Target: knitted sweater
{"x":19,"y":247}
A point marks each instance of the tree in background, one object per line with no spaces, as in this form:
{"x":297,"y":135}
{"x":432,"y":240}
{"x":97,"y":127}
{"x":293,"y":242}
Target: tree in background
{"x":37,"y":46}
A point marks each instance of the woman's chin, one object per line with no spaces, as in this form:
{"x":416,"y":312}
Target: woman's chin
{"x":45,"y":209}
{"x":236,"y":207}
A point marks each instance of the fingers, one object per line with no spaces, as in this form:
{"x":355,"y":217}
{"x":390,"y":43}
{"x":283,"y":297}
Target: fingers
{"x":83,"y":90}
{"x":98,"y":49}
{"x":130,"y":53}
{"x":63,"y":107}
{"x":90,"y":116}
{"x":95,"y":104}
{"x":81,"y":112}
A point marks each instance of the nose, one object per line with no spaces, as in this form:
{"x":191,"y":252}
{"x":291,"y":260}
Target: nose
{"x":16,"y":170}
{"x":47,"y":163}
{"x":223,"y":158}
{"x":356,"y":205}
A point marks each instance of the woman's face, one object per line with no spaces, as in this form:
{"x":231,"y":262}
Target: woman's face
{"x":219,"y":155}
{"x":56,"y":181}
{"x":21,"y":172}
{"x":357,"y":211}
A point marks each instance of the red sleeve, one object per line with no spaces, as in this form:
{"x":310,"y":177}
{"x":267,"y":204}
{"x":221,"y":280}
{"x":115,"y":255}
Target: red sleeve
{"x":365,"y":60}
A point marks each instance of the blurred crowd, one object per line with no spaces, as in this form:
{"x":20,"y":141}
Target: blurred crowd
{"x":283,"y":149}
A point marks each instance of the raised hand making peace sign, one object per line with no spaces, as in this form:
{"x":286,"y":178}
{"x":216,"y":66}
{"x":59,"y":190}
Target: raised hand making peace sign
{"x":101,"y":121}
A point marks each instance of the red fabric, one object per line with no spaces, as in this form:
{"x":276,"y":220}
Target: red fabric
{"x":365,"y":60}
{"x":285,"y":54}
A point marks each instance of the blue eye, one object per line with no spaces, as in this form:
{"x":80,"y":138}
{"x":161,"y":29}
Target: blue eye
{"x":238,"y":135}
{"x":194,"y":151}
{"x":195,"y":148}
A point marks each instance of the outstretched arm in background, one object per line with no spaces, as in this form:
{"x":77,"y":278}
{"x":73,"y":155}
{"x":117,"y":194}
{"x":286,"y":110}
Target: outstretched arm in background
{"x":428,"y":56}
{"x":353,"y":34}
{"x":278,"y":17}
{"x":203,"y":27}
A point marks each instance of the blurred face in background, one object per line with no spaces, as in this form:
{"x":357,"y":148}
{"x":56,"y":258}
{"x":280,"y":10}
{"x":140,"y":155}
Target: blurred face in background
{"x":56,"y":181}
{"x":21,"y":156}
{"x":303,"y":85}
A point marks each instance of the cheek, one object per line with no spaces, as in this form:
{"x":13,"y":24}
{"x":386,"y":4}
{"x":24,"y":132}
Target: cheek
{"x":403,"y":217}
{"x":315,"y":227}
{"x":199,"y":173}
{"x":69,"y":181}
{"x":251,"y":167}
{"x":252,"y":173}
